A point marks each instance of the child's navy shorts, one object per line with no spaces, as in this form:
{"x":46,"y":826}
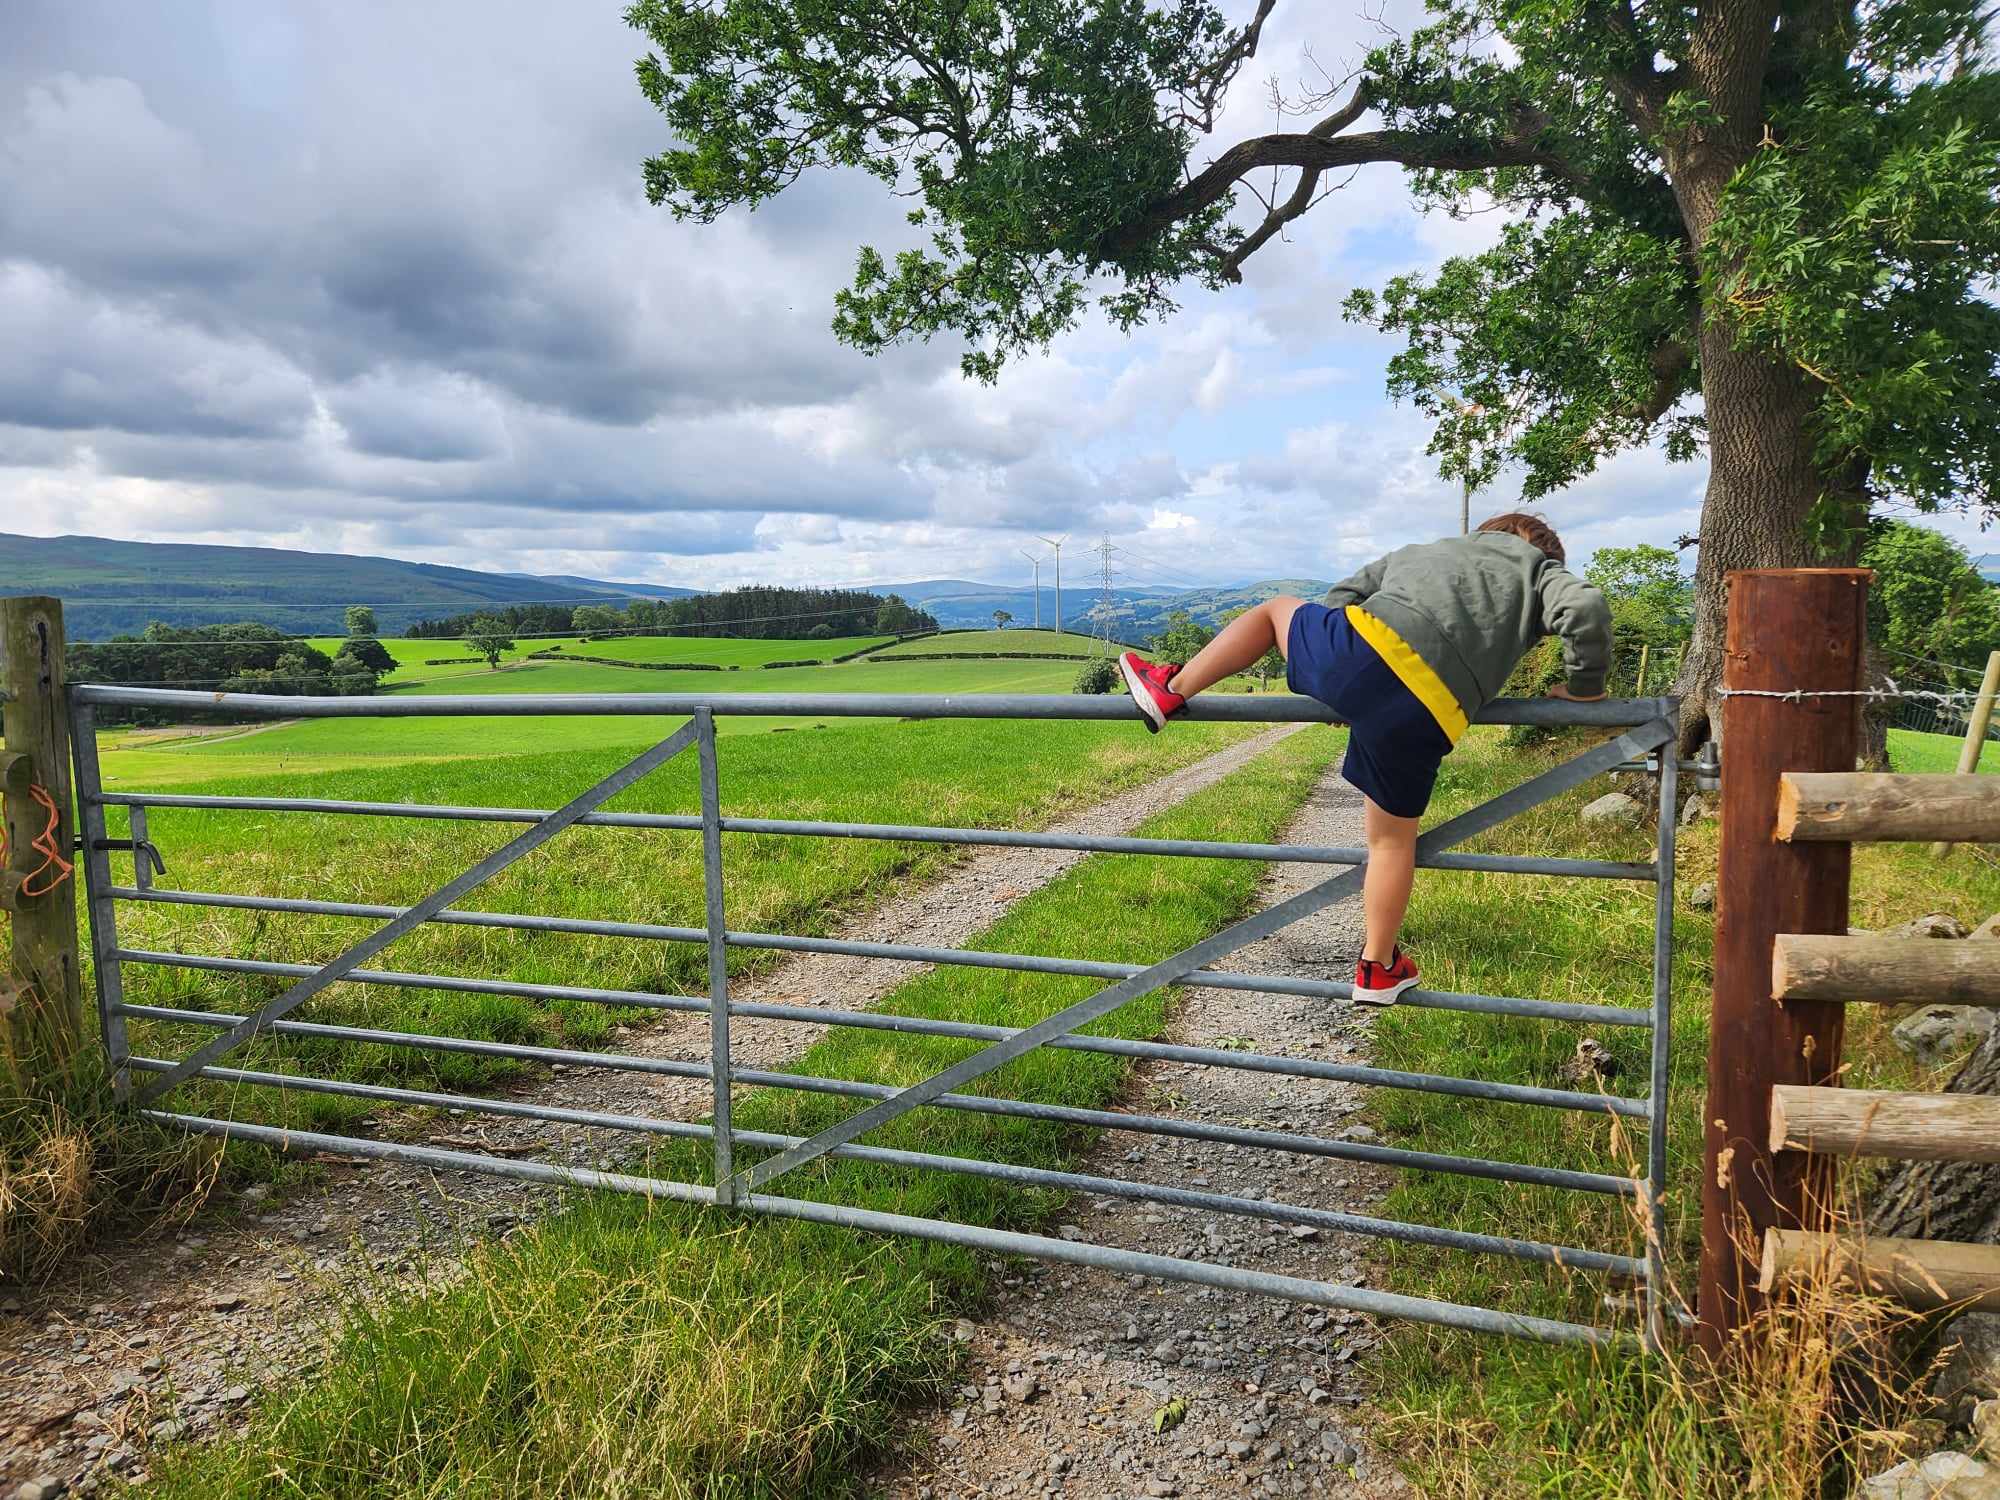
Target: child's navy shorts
{"x":1394,"y":743}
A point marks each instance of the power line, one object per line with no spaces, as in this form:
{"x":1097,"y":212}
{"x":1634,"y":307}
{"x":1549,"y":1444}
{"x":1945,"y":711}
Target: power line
{"x":1160,"y":571}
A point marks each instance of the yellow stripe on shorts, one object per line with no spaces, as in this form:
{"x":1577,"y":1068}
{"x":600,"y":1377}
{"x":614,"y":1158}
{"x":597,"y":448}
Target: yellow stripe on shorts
{"x":1412,"y":669}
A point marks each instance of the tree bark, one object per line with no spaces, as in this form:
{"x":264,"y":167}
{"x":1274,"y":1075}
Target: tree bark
{"x":1762,"y":486}
{"x":1947,"y":1200}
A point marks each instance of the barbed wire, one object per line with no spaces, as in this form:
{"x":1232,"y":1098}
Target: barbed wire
{"x":1951,"y":697}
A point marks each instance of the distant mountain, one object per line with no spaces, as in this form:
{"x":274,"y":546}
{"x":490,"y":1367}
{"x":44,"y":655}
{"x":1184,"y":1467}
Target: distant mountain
{"x":112,"y":587}
{"x":1134,"y":613}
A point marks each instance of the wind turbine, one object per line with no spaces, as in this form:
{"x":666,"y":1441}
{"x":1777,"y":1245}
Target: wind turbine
{"x":1038,"y":585}
{"x":1056,"y":542}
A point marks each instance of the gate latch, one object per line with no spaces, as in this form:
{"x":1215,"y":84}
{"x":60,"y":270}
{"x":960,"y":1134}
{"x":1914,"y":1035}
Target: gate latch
{"x":139,"y":847}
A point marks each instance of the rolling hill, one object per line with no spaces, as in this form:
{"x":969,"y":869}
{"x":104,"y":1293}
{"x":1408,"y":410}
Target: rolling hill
{"x":113,"y":587}
{"x":109,"y":587}
{"x":1135,"y":613}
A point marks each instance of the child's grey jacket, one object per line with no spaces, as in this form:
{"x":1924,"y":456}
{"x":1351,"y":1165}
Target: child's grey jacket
{"x":1472,"y":606}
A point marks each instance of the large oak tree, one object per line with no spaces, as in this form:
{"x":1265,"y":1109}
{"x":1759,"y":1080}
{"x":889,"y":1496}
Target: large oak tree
{"x":1766,"y":228}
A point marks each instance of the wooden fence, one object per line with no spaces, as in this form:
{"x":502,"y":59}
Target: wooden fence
{"x":1787,"y":967}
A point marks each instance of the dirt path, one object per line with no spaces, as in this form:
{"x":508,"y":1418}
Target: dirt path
{"x":168,"y":1336}
{"x":1067,"y":1373}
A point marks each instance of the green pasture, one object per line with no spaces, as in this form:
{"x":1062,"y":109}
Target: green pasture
{"x":975,"y":642}
{"x":160,"y":759}
{"x":414,"y":657}
{"x":1911,"y":750}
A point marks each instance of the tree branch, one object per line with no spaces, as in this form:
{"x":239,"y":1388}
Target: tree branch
{"x":1278,"y":215}
{"x":1671,"y":363}
{"x":1322,"y":149}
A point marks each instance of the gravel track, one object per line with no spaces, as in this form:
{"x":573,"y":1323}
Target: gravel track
{"x":1067,"y":1375}
{"x":168,"y":1336}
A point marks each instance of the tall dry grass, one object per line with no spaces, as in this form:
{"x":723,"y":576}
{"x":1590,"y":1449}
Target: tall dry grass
{"x":72,"y":1166}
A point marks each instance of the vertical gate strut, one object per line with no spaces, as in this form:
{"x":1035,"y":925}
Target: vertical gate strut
{"x":718,"y":956}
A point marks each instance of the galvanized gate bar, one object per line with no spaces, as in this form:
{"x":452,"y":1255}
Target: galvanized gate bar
{"x":983,"y":1104}
{"x":1566,"y":1256}
{"x":902,"y":833}
{"x":1550,"y":783}
{"x":973,"y":958}
{"x":1424,"y":1083}
{"x":436,"y":902}
{"x":997,"y":1241}
{"x":883,"y":1020}
{"x":1211,"y":708}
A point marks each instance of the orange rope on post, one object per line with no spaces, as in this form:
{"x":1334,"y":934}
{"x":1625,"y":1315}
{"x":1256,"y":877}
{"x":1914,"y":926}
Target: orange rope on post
{"x":46,"y":844}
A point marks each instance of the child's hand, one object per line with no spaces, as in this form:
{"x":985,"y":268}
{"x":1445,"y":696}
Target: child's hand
{"x":1561,"y":690}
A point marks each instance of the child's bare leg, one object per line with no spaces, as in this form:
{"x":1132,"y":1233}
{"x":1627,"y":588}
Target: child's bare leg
{"x":1238,"y":645}
{"x":1392,"y":870}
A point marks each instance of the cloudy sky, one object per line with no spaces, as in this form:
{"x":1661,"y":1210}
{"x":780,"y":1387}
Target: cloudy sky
{"x":379,"y":278}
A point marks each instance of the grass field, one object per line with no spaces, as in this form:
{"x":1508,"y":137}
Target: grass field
{"x":1013,"y":638}
{"x":626,"y":1349}
{"x":1921,"y":753}
{"x":413,"y":657}
{"x":181,"y":759}
{"x":955,"y":772}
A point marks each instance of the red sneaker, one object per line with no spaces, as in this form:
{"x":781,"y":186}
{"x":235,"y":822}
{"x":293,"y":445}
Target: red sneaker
{"x":1383,"y":984}
{"x":1147,"y":682}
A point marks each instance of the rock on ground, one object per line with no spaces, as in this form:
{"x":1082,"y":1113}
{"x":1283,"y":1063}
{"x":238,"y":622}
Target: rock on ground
{"x":1613,"y":807}
{"x":1971,"y":1373}
{"x":1942,"y":1476}
{"x":1938,"y":1033}
{"x":1938,"y":924}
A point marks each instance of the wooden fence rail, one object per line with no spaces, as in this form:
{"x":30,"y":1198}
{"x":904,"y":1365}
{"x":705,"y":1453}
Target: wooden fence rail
{"x":1924,"y":1274}
{"x":1882,"y":1123}
{"x":1884,"y":970}
{"x":1850,"y":807}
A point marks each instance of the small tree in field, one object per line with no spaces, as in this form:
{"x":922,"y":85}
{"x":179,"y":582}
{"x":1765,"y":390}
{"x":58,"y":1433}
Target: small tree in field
{"x":361,"y":620}
{"x":367,"y":652}
{"x":1762,"y":227}
{"x":1182,"y":637}
{"x":594,"y":619}
{"x":1270,"y":664}
{"x":1001,"y":619}
{"x":488,"y":637}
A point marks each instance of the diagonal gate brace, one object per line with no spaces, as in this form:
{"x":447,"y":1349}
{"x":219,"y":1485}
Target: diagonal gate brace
{"x":424,"y":910}
{"x":1551,"y":783}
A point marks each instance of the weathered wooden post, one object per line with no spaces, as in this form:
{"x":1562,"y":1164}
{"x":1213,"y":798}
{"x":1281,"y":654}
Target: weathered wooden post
{"x":1975,"y":731}
{"x":41,"y":996}
{"x":1789,"y":629}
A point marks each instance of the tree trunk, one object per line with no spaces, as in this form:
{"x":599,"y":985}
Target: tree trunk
{"x":1947,"y":1200}
{"x":1762,"y":485}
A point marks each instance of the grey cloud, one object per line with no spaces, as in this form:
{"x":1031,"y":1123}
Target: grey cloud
{"x":74,"y":360}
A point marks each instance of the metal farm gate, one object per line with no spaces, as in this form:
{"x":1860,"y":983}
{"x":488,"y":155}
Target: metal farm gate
{"x":1644,"y":739}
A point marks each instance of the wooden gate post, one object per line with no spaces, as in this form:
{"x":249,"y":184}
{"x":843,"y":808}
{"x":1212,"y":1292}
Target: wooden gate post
{"x":41,"y":997}
{"x":1789,"y":628}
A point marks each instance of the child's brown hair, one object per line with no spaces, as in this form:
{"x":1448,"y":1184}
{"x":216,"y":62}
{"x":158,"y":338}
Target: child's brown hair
{"x":1531,"y":529}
